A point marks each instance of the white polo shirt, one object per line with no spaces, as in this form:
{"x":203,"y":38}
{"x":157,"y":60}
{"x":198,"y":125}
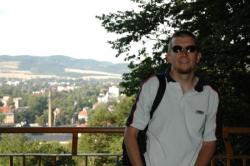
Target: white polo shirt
{"x":180,"y":123}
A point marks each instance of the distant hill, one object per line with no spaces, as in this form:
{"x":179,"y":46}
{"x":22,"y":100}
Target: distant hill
{"x":59,"y":65}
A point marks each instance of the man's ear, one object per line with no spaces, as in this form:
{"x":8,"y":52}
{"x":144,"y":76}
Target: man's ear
{"x":198,"y":58}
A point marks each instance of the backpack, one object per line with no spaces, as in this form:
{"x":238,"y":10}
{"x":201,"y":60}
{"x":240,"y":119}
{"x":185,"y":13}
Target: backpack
{"x":141,"y":136}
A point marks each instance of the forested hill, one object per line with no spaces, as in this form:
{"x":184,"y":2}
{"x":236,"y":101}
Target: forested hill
{"x":57,"y":64}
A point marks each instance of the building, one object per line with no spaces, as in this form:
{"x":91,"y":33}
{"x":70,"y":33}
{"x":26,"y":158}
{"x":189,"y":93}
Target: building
{"x":16,"y":101}
{"x":83,"y":116}
{"x":9,"y":115}
{"x":112,"y":94}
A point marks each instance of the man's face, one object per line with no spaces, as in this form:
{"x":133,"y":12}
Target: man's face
{"x":183,"y":55}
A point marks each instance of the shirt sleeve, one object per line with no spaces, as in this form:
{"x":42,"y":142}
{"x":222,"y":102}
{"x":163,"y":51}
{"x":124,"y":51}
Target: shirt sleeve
{"x":144,"y":102}
{"x":210,"y":126}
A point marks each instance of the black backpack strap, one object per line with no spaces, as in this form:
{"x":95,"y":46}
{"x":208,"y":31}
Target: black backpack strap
{"x":160,"y":93}
{"x":157,"y":99}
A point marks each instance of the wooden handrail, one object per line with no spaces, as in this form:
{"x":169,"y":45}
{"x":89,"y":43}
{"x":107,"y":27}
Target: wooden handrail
{"x":227,"y":131}
{"x":61,"y":129}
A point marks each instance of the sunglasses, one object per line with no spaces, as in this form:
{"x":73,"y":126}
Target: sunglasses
{"x":189,"y":49}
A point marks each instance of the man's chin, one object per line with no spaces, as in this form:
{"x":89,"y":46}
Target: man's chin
{"x":184,"y":71}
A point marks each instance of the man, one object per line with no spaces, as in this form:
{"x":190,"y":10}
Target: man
{"x":182,"y":129}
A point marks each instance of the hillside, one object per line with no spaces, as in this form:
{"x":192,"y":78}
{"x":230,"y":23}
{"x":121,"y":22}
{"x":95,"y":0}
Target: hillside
{"x":59,"y":65}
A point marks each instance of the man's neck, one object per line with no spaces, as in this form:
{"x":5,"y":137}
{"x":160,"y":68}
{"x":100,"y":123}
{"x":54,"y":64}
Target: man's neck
{"x":187,"y":81}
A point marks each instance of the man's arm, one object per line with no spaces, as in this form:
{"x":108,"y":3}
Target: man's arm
{"x":130,"y":139}
{"x":206,"y":153}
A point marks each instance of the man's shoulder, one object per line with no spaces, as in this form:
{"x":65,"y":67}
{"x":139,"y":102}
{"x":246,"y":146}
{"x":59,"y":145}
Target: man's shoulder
{"x":151,"y":80}
{"x":210,"y":90}
{"x":151,"y":84}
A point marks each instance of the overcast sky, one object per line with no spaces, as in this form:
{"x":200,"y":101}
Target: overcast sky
{"x":57,"y":27}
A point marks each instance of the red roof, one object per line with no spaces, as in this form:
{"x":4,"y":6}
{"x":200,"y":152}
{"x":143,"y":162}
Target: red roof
{"x":5,"y":109}
{"x":83,"y":113}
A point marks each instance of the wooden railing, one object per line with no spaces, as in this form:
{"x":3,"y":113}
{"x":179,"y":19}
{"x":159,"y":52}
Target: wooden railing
{"x":226,"y":158}
{"x":230,"y":156}
{"x":71,"y":130}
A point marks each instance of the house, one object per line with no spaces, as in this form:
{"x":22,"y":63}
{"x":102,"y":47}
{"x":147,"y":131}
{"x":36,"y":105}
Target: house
{"x":9,"y":115}
{"x":83,"y":116}
{"x":112,"y":94}
{"x":16,"y":101}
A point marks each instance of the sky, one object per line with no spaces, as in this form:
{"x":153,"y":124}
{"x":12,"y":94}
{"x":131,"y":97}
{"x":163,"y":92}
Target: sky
{"x":58,"y":27}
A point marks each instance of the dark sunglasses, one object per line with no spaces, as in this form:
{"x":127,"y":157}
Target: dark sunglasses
{"x":188,"y":49}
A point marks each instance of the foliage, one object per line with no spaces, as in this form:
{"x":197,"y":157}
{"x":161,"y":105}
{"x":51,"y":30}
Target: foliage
{"x":104,"y":116}
{"x":53,"y":148}
{"x":70,"y":103}
{"x":18,"y":143}
{"x":2,"y":117}
{"x":222,"y":28}
{"x":37,"y":105}
{"x":99,"y":143}
{"x":34,"y":108}
{"x":122,"y":110}
{"x":12,"y":144}
{"x":101,"y":116}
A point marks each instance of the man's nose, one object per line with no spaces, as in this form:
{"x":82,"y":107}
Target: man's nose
{"x":184,"y":52}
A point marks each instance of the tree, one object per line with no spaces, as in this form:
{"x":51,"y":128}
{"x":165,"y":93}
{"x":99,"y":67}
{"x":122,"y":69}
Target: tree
{"x":12,"y":144}
{"x":37,"y":106}
{"x":18,"y":143}
{"x":222,"y":27}
{"x":70,"y":103}
{"x":99,"y":143}
{"x":122,"y":110}
{"x":102,"y":116}
{"x":2,"y":117}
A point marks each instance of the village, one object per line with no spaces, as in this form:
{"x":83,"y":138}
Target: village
{"x":12,"y":105}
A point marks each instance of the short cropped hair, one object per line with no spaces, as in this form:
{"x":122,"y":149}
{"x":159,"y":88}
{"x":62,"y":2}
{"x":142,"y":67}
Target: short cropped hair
{"x":183,"y":33}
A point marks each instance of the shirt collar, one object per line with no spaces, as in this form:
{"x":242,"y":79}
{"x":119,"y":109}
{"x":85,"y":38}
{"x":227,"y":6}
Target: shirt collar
{"x":198,"y":87}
